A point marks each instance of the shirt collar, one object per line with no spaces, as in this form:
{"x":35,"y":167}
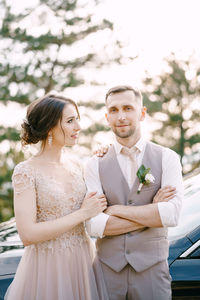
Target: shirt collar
{"x":140,"y":145}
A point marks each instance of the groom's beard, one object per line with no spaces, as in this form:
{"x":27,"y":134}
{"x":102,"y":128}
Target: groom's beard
{"x":124,"y":135}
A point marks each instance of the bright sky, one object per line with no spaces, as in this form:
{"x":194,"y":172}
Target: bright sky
{"x":151,"y":29}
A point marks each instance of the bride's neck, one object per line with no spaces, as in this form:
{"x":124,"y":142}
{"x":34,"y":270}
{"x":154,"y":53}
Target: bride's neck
{"x":51,"y":153}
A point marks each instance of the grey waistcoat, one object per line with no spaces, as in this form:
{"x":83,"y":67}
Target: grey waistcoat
{"x":142,"y":248}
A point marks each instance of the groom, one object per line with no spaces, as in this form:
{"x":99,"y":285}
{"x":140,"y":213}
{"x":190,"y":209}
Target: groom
{"x":132,"y":242}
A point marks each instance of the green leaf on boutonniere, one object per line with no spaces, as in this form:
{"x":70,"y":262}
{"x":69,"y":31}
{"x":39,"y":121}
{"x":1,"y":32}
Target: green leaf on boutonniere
{"x":144,"y":177}
{"x":141,"y":173}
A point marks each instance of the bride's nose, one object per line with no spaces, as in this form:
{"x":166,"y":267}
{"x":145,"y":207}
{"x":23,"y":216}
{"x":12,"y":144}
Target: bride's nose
{"x":77,"y":126}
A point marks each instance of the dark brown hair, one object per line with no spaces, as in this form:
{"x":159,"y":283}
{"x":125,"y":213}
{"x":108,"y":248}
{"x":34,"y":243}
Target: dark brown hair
{"x":42,"y":115}
{"x":123,"y":88}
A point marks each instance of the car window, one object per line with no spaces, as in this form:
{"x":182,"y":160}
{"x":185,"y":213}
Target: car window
{"x":196,"y":253}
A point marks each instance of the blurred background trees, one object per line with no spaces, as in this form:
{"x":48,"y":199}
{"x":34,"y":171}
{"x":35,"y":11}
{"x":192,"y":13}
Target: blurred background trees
{"x":60,"y":45}
{"x":173,"y":102}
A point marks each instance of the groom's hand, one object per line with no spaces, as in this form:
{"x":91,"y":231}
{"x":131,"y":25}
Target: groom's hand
{"x":111,"y":210}
{"x":164,"y":194}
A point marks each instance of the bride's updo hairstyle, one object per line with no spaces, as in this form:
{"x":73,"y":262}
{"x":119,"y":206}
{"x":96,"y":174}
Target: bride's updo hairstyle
{"x":42,"y":115}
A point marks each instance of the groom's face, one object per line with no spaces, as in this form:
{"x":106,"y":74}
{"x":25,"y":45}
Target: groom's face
{"x":124,"y":113}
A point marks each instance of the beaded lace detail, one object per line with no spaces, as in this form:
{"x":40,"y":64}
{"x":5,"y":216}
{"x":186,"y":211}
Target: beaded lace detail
{"x":23,"y":177}
{"x":53,"y":200}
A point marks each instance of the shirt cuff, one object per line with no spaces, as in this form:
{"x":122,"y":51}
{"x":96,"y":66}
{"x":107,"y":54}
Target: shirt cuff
{"x":168,"y":214}
{"x":96,"y":226}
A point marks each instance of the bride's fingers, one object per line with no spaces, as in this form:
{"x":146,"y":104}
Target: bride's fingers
{"x":101,"y":151}
{"x":104,"y":202}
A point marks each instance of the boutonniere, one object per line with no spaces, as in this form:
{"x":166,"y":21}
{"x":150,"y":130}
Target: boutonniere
{"x":144,"y":176}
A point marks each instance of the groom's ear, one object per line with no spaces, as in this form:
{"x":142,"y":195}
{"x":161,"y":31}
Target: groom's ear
{"x":106,"y":116}
{"x":143,"y":113}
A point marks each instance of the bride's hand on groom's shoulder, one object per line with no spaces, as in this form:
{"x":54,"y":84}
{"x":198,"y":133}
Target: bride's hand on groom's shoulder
{"x":101,"y":151}
{"x":164,"y":194}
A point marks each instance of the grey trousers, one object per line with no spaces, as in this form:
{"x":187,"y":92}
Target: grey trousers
{"x":151,"y":284}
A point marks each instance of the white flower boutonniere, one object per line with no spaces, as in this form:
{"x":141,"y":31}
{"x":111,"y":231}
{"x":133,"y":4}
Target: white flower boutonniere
{"x":144,"y":176}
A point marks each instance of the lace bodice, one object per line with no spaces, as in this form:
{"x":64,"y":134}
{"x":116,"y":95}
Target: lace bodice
{"x":54,"y":198}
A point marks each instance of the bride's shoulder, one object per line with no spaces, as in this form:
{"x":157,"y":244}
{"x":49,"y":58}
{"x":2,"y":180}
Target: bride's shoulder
{"x":23,"y":167}
{"x":23,"y":176}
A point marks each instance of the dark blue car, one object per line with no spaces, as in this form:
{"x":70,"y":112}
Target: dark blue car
{"x":184,"y":255}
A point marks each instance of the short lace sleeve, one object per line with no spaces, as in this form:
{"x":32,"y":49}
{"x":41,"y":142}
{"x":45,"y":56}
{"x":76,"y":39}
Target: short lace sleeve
{"x":23,"y":177}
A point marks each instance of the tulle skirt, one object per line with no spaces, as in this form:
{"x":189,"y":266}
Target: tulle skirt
{"x":59,"y":274}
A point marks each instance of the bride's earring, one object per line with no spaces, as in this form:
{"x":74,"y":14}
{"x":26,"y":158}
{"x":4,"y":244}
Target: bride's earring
{"x":50,"y":139}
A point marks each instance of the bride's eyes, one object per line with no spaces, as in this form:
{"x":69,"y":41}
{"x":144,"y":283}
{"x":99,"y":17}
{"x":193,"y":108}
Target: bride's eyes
{"x":71,"y":120}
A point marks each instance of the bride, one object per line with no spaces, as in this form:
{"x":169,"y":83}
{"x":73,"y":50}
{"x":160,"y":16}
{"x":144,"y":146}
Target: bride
{"x":50,"y":210}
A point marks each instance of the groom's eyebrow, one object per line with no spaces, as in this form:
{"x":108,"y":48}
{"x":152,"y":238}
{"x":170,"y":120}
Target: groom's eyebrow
{"x":124,"y":106}
{"x":111,"y":107}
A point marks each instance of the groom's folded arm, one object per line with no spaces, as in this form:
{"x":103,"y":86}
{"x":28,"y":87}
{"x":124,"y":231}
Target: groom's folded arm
{"x":162,"y":214}
{"x":103,"y":224}
{"x":171,"y":175}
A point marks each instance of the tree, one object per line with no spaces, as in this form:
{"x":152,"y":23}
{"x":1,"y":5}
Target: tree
{"x":43,"y":48}
{"x":173,"y":101}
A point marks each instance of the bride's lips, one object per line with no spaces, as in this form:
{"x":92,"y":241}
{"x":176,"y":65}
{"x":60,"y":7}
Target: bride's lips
{"x":74,"y":136}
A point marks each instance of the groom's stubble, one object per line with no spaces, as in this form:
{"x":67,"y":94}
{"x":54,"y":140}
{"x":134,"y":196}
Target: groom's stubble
{"x":124,"y":135}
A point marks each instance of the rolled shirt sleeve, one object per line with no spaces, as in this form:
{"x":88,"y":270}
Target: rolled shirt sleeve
{"x":171,"y":175}
{"x":96,"y":225}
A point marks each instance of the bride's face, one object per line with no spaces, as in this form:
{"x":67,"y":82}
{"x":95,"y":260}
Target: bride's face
{"x":66,"y":132}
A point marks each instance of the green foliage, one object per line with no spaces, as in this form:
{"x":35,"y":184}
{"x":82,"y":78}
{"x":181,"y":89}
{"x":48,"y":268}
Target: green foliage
{"x":141,"y":173}
{"x":41,"y":62}
{"x":9,"y":133}
{"x":7,"y":162}
{"x":172,"y":99}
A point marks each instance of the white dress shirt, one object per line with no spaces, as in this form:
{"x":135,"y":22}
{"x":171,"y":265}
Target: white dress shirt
{"x":171,"y":175}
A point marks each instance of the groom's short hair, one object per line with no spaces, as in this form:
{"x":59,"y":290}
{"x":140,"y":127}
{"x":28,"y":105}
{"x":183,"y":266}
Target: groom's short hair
{"x":124,"y":88}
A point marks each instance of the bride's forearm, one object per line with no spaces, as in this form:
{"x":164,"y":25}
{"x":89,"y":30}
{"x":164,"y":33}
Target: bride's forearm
{"x":117,"y":226}
{"x":35,"y":232}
